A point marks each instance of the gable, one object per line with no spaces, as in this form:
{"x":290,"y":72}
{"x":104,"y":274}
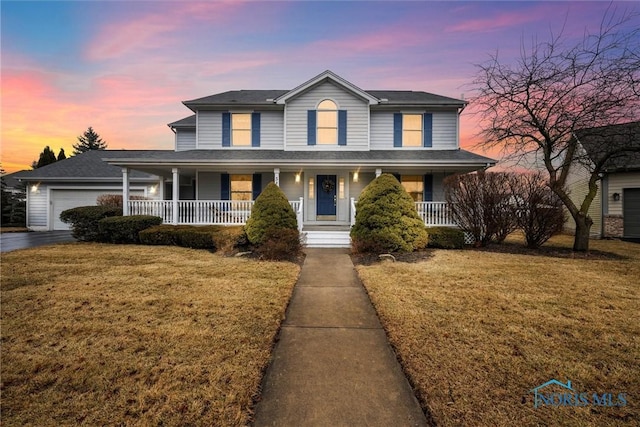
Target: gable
{"x":322,"y":78}
{"x":297,"y":115}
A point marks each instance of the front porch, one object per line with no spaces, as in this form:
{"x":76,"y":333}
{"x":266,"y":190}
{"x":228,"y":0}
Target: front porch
{"x":236,"y":212}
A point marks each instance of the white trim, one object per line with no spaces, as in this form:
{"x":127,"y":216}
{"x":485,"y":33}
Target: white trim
{"x":197,"y":131}
{"x":282,"y":99}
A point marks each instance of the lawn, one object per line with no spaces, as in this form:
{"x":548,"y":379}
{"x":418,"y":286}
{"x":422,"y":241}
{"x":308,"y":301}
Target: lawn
{"x":476,"y":331}
{"x":97,"y":334}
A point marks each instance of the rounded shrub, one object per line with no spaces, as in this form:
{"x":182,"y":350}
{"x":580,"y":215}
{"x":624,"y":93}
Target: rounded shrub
{"x":271,"y":210}
{"x":126,"y":229}
{"x":445,"y":237}
{"x":84,"y":221}
{"x":386,"y":219}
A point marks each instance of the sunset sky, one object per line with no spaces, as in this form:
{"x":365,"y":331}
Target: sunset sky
{"x":124,"y":67}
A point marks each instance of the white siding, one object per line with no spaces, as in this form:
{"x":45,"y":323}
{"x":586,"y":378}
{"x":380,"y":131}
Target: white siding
{"x":185,"y":139}
{"x":445,"y":131}
{"x":272,"y":130}
{"x":37,"y":206}
{"x":209,"y":129}
{"x":617,"y":182}
{"x":357,"y":118}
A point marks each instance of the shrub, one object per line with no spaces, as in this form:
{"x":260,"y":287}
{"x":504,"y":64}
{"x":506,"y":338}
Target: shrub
{"x":188,"y":236}
{"x":445,"y":237}
{"x":483,"y":204}
{"x":540,"y":211}
{"x":84,"y":221}
{"x":125,"y":229}
{"x":386,"y":219}
{"x":115,"y":200}
{"x":270,"y":210}
{"x":280,"y":244}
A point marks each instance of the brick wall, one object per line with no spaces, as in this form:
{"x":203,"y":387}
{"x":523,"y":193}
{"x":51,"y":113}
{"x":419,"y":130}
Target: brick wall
{"x":613,"y":226}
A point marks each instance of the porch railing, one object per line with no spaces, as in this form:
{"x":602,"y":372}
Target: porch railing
{"x":432,"y":213}
{"x":436,"y":214}
{"x":235,"y":212}
{"x":200,"y":212}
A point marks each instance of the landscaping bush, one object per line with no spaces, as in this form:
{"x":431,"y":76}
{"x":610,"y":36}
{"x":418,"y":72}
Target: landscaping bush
{"x":188,"y":236}
{"x":386,"y":219}
{"x":270,"y":210}
{"x":84,"y":221}
{"x":115,"y":200}
{"x":125,"y":229}
{"x":445,"y":237}
{"x":280,"y":244}
{"x":483,"y":204}
{"x":540,"y":211}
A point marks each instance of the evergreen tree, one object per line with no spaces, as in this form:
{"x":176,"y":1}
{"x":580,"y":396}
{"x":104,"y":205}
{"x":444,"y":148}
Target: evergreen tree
{"x":46,"y":157}
{"x":89,"y":140}
{"x":61,"y":155}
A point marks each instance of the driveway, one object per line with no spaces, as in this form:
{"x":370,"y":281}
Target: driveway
{"x":13,"y":241}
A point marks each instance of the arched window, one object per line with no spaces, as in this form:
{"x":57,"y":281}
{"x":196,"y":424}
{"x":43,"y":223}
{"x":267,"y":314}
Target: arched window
{"x":327,"y":122}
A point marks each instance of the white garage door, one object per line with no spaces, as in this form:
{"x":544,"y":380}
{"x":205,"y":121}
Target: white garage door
{"x":631,"y":212}
{"x":66,"y":199}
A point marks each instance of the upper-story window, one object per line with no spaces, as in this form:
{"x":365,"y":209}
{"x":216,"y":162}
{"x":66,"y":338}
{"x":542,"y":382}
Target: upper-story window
{"x":412,"y":130}
{"x":327,"y":122}
{"x":240,"y":129}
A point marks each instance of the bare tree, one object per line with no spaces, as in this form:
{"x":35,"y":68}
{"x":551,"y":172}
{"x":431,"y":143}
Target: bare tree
{"x":535,"y":106}
{"x":482,"y":204}
{"x":539,"y":210}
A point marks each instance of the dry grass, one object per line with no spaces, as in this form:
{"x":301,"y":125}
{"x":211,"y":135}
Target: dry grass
{"x":136,"y":335}
{"x":476,"y":331}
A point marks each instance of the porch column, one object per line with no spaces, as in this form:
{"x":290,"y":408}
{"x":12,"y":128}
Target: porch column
{"x":378,"y":172}
{"x":176,"y":194}
{"x":125,"y":191}
{"x":276,"y":176}
{"x":160,"y":191}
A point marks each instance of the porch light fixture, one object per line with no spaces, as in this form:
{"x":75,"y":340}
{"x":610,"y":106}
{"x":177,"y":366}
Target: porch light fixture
{"x":297,"y":178}
{"x":616,"y":197}
{"x":34,"y":188}
{"x":153,"y":189}
{"x":355,"y":177}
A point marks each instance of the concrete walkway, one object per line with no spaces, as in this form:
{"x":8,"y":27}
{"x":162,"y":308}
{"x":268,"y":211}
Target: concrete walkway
{"x":333,"y":365}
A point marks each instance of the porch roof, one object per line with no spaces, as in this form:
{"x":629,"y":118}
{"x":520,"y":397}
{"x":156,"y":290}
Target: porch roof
{"x":279,"y":158}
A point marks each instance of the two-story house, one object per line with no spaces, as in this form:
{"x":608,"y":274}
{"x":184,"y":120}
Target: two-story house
{"x":321,"y":142}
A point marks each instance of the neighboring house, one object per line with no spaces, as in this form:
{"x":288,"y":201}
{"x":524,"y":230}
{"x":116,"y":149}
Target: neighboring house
{"x":12,"y":184}
{"x":616,"y":208}
{"x":321,"y":142}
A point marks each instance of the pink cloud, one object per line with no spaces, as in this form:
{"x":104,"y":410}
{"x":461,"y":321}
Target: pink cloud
{"x":500,"y":21}
{"x":155,"y":29}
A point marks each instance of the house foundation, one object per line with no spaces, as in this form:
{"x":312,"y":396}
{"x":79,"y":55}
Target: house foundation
{"x":613,"y":226}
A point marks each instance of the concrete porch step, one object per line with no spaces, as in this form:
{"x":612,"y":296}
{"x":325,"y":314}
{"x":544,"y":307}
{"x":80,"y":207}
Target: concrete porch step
{"x":327,"y":239}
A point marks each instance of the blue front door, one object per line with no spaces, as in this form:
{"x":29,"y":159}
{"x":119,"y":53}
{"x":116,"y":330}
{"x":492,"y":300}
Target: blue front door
{"x":326,"y":195}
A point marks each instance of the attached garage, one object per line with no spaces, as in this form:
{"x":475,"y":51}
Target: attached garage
{"x":61,"y":200}
{"x":631,"y":212}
